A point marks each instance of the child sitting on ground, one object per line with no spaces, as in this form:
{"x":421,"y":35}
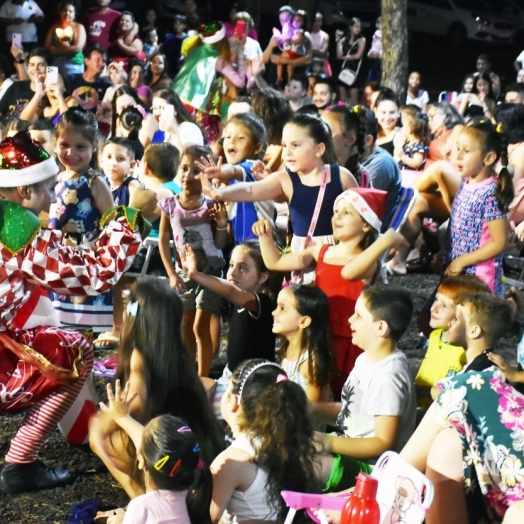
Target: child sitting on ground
{"x":378,"y":406}
{"x":442,"y":357}
{"x":480,"y":320}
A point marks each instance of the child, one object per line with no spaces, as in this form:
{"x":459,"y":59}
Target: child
{"x":192,"y":219}
{"x":309,"y":155}
{"x":118,"y":78}
{"x":244,"y":142}
{"x":342,"y":270}
{"x":413,"y":152}
{"x":478,"y":230}
{"x":169,"y":458}
{"x":151,"y":46}
{"x":154,"y":360}
{"x":293,"y":47}
{"x":442,"y":357}
{"x":27,"y":182}
{"x":273,"y":447}
{"x":480,"y":320}
{"x":82,"y":198}
{"x":378,"y":400}
{"x":43,"y":132}
{"x":251,"y":325}
{"x":172,"y":45}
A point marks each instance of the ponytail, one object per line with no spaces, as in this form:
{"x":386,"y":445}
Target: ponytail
{"x":199,"y":497}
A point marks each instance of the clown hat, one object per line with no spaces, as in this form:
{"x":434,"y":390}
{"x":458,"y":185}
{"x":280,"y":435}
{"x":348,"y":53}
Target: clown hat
{"x":24,"y":162}
{"x":212,"y":32}
{"x":370,"y":204}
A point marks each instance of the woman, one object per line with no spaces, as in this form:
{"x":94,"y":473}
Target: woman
{"x":136,"y":81}
{"x":468,"y":86}
{"x":65,"y":40}
{"x":481,"y":103}
{"x":444,"y":121}
{"x":122,"y":48}
{"x":175,"y":124}
{"x":126,"y":96}
{"x":350,"y":50}
{"x":156,"y":77}
{"x":387,"y":113}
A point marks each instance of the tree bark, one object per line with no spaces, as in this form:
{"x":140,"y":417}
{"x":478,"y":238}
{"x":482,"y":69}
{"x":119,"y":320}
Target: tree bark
{"x":395,"y":57}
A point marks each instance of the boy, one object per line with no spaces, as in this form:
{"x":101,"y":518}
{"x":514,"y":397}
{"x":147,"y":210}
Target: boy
{"x":441,"y":356}
{"x":42,"y":367}
{"x":480,"y":320}
{"x":43,"y":131}
{"x":378,"y":399}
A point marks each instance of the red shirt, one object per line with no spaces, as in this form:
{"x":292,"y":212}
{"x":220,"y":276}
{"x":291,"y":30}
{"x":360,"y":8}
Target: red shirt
{"x":101,"y":28}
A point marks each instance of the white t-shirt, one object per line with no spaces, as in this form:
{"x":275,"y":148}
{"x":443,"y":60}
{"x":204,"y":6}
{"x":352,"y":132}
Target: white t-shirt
{"x":383,"y":388}
{"x":24,"y":11}
{"x":190,"y":134}
{"x":158,"y":507}
{"x":421,"y":99}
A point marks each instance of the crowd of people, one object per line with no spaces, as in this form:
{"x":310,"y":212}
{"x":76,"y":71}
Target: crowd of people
{"x":268,"y":178}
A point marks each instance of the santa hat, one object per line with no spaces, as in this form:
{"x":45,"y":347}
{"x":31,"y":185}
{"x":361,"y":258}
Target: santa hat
{"x":212,"y":33}
{"x":24,"y":162}
{"x":120,"y":66}
{"x":370,"y":204}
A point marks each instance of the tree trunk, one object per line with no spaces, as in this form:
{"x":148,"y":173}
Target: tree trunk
{"x":395,"y":46}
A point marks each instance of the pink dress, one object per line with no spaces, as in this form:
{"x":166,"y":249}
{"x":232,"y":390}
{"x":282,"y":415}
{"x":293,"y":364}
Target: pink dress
{"x":342,"y":295}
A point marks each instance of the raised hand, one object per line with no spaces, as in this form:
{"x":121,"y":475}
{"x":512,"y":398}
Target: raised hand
{"x":210,"y":168}
{"x":188,"y":260}
{"x":263,"y":228}
{"x":119,"y":402}
{"x":259,"y":170}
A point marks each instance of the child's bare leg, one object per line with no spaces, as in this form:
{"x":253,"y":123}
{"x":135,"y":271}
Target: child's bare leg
{"x":204,"y":342}
{"x":280,"y":73}
{"x":188,"y":335}
{"x":289,"y":71}
{"x":109,"y":443}
{"x":445,"y":471}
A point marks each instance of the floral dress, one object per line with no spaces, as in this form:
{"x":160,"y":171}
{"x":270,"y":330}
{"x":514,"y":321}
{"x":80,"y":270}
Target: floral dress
{"x":75,"y":214}
{"x":488,"y":414}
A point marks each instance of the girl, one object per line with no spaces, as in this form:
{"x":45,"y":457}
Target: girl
{"x":273,"y":448}
{"x":478,"y":231}
{"x":350,"y":50}
{"x":192,"y":219}
{"x":248,"y":286}
{"x":348,"y":128}
{"x":120,"y":48}
{"x":342,"y":270}
{"x":82,"y":198}
{"x":310,"y":159}
{"x":302,"y":319}
{"x":468,"y":86}
{"x":413,"y":152}
{"x":156,"y":77}
{"x":295,"y":47}
{"x":65,"y":40}
{"x":169,"y":459}
{"x":244,"y":141}
{"x":118,"y":78}
{"x":175,"y":124}
{"x":481,"y":102}
{"x":159,"y":368}
{"x":415,"y":95}
{"x":130,"y":123}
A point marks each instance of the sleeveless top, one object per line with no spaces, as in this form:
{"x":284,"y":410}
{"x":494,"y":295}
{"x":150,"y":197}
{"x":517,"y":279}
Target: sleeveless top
{"x":292,"y":369}
{"x":77,"y":58}
{"x":121,"y":193}
{"x":302,"y":204}
{"x":251,"y":504}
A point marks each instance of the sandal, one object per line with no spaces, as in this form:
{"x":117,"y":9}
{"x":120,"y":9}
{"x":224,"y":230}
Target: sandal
{"x":105,"y":368}
{"x":102,"y":516}
{"x":107,"y":340}
{"x":85,"y":512}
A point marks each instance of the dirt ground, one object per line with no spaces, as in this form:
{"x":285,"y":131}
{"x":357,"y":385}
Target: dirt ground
{"x":94,"y":480}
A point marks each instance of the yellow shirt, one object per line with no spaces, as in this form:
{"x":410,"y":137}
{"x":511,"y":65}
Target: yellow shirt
{"x":440,"y":359}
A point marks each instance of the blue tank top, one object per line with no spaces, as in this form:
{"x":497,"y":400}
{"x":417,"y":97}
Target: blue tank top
{"x":303,"y":202}
{"x":121,"y":193}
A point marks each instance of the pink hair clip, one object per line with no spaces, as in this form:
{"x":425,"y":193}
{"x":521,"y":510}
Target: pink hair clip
{"x":281,"y":378}
{"x":200,"y":464}
{"x":184,"y":429}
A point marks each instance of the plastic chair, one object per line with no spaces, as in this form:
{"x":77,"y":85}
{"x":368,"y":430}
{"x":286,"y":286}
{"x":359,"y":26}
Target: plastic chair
{"x":404,"y":493}
{"x":447,"y":96}
{"x":149,"y":244}
{"x":408,"y":197}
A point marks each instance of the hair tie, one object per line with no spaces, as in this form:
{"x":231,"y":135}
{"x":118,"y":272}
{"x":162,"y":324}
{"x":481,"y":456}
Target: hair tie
{"x":281,"y":378}
{"x":250,"y":372}
{"x":159,"y":464}
{"x":132,"y":309}
{"x":356,"y":109}
{"x":200,"y":464}
{"x":184,"y":429}
{"x":499,"y":128}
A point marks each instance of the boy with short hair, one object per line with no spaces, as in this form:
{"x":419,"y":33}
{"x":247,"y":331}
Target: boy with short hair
{"x":441,"y":356}
{"x":378,"y":406}
{"x":43,"y":131}
{"x":481,"y":319}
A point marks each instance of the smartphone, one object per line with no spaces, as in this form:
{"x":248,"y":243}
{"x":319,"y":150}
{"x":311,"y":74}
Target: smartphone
{"x":168,"y":109}
{"x":51,"y":76}
{"x":17,"y":40}
{"x":240,"y":29}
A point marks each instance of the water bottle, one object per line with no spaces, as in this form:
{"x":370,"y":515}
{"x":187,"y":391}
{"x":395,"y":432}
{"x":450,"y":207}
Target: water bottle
{"x":362,"y":506}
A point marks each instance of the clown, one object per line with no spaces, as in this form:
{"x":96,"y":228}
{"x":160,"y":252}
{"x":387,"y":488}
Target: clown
{"x":42,"y":367}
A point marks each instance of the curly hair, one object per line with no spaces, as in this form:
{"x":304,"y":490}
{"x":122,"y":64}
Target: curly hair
{"x":275,"y":417}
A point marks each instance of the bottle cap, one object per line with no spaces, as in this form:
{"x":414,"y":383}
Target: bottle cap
{"x":366,"y":486}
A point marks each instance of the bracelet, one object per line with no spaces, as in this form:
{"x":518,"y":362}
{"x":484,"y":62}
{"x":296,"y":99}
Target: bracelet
{"x":21,"y":61}
{"x":221,"y":228}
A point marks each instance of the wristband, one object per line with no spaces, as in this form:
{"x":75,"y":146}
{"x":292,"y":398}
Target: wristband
{"x":21,"y":61}
{"x":221,"y":228}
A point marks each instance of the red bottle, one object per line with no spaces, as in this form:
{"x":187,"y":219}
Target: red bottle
{"x":362,"y":506}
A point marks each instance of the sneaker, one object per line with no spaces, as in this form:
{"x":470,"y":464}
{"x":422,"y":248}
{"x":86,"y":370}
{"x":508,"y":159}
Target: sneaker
{"x":19,"y":478}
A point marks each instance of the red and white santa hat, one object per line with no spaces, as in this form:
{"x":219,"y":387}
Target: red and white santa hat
{"x":370,"y":204}
{"x":24,"y":162}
